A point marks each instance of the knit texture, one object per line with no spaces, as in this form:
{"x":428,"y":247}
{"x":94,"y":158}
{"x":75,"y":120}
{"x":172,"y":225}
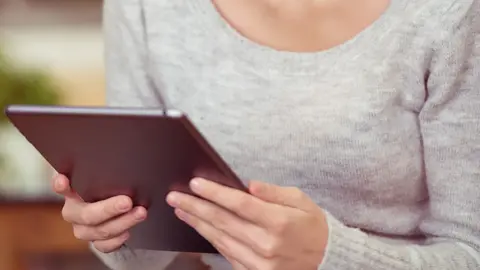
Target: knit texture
{"x":382,"y":131}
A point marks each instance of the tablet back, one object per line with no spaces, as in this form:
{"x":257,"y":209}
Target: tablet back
{"x":140,"y":153}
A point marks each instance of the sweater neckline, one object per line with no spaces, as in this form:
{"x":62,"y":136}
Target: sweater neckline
{"x":276,"y":60}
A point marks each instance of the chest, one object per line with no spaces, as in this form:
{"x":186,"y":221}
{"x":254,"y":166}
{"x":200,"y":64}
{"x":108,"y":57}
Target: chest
{"x":340,"y":121}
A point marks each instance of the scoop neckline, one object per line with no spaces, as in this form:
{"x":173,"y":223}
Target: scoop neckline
{"x":256,"y":53}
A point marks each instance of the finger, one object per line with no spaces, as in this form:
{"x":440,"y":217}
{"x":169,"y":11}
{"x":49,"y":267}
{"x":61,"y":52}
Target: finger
{"x":93,"y":214}
{"x":111,"y":228}
{"x":61,"y":186}
{"x":230,"y":247}
{"x":220,"y":218}
{"x":239,"y":202}
{"x":286,"y":196}
{"x":236,"y":265}
{"x":110,"y":245}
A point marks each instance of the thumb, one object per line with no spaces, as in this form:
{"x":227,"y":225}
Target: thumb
{"x":285,"y":196}
{"x":61,"y":186}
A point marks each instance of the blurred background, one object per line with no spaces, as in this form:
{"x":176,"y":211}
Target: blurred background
{"x":51,"y":52}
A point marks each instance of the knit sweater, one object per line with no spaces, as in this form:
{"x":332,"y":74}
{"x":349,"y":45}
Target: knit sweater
{"x":382,"y":131}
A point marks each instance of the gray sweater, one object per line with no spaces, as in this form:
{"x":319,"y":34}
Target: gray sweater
{"x":383,"y":131}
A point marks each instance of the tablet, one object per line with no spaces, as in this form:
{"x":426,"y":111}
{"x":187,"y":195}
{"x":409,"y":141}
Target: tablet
{"x":141,"y":153}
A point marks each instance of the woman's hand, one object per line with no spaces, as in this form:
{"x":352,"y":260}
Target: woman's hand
{"x":105,"y":223}
{"x":273,"y":228}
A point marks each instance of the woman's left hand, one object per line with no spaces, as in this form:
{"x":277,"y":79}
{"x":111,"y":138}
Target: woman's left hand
{"x":273,"y":227}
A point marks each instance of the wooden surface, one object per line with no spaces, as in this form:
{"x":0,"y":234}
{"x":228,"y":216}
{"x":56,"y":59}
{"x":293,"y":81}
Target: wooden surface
{"x":30,"y":230}
{"x":33,"y":236}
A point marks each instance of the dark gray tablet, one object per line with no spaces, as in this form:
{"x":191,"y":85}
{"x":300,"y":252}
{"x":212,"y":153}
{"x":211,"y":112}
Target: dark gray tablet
{"x":142,"y":153}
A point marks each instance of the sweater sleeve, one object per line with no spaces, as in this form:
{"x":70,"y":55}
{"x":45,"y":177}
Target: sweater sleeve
{"x":450,"y":129}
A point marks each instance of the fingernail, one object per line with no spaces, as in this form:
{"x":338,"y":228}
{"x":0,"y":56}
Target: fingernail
{"x":58,"y":184}
{"x":139,"y":213}
{"x":256,"y":187}
{"x":172,"y":199}
{"x":195,"y":184}
{"x":123,"y":205}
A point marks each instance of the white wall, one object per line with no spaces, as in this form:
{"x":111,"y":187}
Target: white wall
{"x":61,"y":49}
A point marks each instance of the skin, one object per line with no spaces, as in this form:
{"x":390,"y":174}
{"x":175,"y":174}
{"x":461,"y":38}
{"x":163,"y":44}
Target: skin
{"x":104,"y":223}
{"x":294,"y":234}
{"x":273,"y":227}
{"x":302,"y":25}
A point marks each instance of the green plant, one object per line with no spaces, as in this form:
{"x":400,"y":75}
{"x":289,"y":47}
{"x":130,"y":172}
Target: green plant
{"x":24,"y":86}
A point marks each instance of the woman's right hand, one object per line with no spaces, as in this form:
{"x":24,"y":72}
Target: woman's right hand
{"x":104,"y":223}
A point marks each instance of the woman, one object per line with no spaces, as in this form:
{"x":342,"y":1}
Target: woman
{"x":361,"y":118}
